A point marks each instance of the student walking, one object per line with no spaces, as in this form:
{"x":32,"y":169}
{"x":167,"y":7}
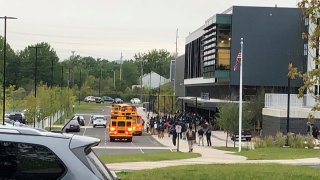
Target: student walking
{"x":200,"y":133}
{"x":191,"y":137}
{"x":208,"y":135}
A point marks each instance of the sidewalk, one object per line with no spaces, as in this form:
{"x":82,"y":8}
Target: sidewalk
{"x":208,"y":155}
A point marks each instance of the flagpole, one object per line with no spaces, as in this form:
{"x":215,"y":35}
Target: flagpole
{"x":240,"y":97}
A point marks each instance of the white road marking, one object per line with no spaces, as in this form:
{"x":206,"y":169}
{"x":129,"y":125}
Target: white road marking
{"x":84,"y":132}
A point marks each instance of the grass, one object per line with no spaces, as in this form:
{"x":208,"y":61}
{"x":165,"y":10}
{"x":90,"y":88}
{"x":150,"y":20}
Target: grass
{"x":154,"y":156}
{"x":89,"y":107}
{"x":275,"y":153}
{"x":230,"y":171}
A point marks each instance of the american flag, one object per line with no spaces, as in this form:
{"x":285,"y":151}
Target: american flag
{"x":236,"y":64}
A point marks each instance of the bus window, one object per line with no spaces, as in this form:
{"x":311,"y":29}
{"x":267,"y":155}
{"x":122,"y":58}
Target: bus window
{"x":128,"y":123}
{"x":114,"y":123}
{"x":121,"y":124}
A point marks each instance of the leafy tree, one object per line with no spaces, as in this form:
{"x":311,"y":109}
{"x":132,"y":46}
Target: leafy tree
{"x":31,"y":107}
{"x":228,"y":118}
{"x":311,"y":9}
{"x":155,"y":60}
{"x":255,"y":106}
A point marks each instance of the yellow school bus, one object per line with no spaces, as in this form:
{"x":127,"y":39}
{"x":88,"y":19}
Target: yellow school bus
{"x":127,"y":110}
{"x":137,"y":125}
{"x":115,"y":109}
{"x":120,"y":127}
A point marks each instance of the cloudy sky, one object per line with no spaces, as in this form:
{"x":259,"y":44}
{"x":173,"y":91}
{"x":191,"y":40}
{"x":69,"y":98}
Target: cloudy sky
{"x":105,"y":28}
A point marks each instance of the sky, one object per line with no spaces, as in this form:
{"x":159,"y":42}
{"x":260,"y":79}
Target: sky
{"x":105,"y":28}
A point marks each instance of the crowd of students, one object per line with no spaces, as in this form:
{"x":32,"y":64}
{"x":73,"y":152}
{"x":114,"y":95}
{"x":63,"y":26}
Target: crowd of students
{"x":189,"y":122}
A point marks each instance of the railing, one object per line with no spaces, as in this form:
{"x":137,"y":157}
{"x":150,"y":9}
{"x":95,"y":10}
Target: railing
{"x":281,"y":101}
{"x":46,"y":122}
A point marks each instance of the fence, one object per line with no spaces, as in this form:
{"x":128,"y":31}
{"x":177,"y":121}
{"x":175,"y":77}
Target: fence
{"x":281,"y":101}
{"x":46,"y":121}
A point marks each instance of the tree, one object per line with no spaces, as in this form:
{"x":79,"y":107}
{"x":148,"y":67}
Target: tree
{"x":155,"y":60}
{"x":228,"y":118}
{"x":255,"y":106}
{"x":311,"y":9}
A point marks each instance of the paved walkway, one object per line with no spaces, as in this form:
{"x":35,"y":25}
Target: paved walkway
{"x":208,"y":156}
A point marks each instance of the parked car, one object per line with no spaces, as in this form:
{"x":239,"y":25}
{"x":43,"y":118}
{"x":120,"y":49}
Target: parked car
{"x":98,"y":100}
{"x":107,"y":99}
{"x":18,"y":116}
{"x":28,"y":153}
{"x":90,"y":99}
{"x":73,"y":125}
{"x":99,"y":121}
{"x":80,"y":119}
{"x":117,"y":100}
{"x":135,"y":101}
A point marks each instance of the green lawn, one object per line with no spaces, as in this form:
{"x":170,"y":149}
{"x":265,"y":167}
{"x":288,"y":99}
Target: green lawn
{"x":89,"y":107}
{"x":275,"y":153}
{"x":230,"y":171}
{"x":155,"y":156}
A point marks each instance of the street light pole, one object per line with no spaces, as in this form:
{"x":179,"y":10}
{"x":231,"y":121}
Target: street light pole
{"x":4,"y":66}
{"x":100,"y":80}
{"x":35,"y":76}
{"x":79,"y":87}
{"x":114,"y":79}
{"x":288,"y":112}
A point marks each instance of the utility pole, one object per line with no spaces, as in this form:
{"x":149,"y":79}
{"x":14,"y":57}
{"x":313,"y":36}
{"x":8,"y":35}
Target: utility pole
{"x":80,"y":87}
{"x":51,"y":73}
{"x":141,"y":74}
{"x":4,"y":66}
{"x":61,"y":77}
{"x":176,"y":55}
{"x":100,"y":80}
{"x":121,"y":66}
{"x":35,"y":76}
{"x":114,"y":79}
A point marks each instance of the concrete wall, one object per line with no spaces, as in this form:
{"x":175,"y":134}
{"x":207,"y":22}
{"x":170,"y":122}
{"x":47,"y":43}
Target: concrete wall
{"x":271,"y":125}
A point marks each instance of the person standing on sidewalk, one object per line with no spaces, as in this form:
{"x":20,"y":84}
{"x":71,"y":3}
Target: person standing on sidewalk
{"x":174,"y":134}
{"x":208,"y":136}
{"x":191,"y":137}
{"x":200,"y":133}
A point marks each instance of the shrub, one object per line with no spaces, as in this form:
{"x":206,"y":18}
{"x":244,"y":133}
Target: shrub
{"x":280,"y":140}
{"x":310,"y":142}
{"x":269,"y":141}
{"x":298,"y":141}
{"x":259,"y":143}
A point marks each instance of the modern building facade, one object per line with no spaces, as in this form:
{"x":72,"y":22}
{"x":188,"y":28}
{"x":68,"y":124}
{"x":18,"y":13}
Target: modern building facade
{"x":272,"y":39}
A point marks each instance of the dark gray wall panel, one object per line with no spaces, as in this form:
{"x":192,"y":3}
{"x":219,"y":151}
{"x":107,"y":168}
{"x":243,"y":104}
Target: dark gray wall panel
{"x":272,"y":39}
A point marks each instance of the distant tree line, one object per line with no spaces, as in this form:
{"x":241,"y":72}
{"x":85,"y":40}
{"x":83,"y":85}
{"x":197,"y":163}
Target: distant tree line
{"x":95,"y":72}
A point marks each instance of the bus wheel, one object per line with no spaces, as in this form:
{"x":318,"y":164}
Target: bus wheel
{"x":129,"y":139}
{"x":111,"y":139}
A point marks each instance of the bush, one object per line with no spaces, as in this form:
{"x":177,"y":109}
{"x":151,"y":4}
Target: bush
{"x":259,"y":143}
{"x":310,"y":142}
{"x":280,"y":140}
{"x":269,"y":141}
{"x":298,"y":141}
{"x":295,"y":141}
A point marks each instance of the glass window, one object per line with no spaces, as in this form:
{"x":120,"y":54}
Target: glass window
{"x":113,"y":123}
{"x":98,"y":168}
{"x":121,"y":124}
{"x":128,"y":123}
{"x":223,"y":59}
{"x":29,"y":161}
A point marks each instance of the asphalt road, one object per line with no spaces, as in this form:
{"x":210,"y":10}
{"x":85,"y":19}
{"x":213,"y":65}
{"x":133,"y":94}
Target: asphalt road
{"x":139,"y":144}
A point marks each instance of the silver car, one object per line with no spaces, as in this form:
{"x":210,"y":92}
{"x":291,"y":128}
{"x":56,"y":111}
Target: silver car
{"x":27,"y":153}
